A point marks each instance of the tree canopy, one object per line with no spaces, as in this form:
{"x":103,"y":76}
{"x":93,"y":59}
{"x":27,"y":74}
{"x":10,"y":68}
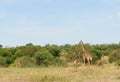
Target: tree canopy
{"x":37,"y":55}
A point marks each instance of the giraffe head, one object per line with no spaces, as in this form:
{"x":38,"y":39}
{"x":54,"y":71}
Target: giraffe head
{"x":81,"y":42}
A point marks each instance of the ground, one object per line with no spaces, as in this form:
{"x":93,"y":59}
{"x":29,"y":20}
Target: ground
{"x":107,"y":73}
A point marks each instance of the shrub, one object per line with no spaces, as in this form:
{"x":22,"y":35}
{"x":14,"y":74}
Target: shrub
{"x":55,"y":52}
{"x":17,"y":54}
{"x":59,"y":62}
{"x":96,"y":55}
{"x":101,"y":62}
{"x":9,"y":60}
{"x":5,"y":53}
{"x":3,"y":62}
{"x":24,"y":62}
{"x":114,"y":56}
{"x":43,"y":58}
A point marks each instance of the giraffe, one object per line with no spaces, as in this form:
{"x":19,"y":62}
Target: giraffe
{"x":75,"y":61}
{"x":86,"y":54}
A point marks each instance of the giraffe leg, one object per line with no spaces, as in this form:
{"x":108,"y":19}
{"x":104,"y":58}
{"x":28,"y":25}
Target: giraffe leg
{"x":88,"y":61}
{"x":84,"y":59}
{"x":91,"y":60}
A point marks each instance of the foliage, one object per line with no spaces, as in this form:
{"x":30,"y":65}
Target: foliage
{"x":43,"y":58}
{"x":35,"y":55}
{"x":9,"y":60}
{"x":24,"y":62}
{"x":96,"y":54}
{"x":74,"y":52}
{"x":29,"y":50}
{"x":55,"y":51}
{"x":17,"y":54}
{"x":59,"y":62}
{"x":114,"y":56}
{"x":5,"y":53}
{"x":3,"y":62}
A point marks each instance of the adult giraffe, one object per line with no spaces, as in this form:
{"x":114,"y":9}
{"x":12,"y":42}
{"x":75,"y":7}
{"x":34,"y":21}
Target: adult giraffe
{"x":86,"y":54}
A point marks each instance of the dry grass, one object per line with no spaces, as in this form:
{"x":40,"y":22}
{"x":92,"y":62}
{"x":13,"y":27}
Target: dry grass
{"x":107,"y":73}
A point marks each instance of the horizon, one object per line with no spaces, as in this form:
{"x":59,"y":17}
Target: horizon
{"x":61,"y":22}
{"x":57,"y":44}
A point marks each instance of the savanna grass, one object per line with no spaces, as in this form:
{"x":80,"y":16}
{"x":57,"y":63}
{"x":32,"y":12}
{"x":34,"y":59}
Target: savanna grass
{"x":61,"y":74}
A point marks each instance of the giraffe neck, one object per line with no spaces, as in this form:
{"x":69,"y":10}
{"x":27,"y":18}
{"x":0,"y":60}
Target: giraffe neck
{"x":83,"y":48}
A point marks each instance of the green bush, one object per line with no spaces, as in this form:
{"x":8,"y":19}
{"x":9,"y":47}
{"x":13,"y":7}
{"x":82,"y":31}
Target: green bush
{"x":55,"y":51}
{"x":24,"y":62}
{"x":114,"y":56}
{"x":94,"y":58}
{"x":9,"y":60}
{"x":96,"y":54}
{"x":59,"y":62}
{"x":5,"y":53}
{"x":17,"y":54}
{"x":3,"y":62}
{"x":43,"y":58}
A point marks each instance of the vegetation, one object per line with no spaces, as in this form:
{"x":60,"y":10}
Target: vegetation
{"x":61,"y":74}
{"x":53,"y":55}
{"x":53,"y":63}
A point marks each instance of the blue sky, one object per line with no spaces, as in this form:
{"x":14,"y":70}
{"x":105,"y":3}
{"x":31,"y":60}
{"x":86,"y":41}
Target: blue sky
{"x":59,"y":21}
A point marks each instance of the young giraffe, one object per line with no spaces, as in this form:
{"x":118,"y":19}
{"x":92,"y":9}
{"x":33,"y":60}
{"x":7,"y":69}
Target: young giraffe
{"x":75,"y":61}
{"x":86,"y":54}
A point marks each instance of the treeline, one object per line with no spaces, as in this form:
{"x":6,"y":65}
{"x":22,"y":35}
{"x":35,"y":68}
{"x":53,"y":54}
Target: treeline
{"x":53,"y":55}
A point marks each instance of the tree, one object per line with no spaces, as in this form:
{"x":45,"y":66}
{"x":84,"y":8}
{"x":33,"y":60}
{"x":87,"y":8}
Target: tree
{"x":43,"y":58}
{"x":5,"y":53}
{"x":9,"y":60}
{"x":3,"y":62}
{"x":98,"y":53}
{"x":114,"y":56}
{"x":53,"y":49}
{"x":66,"y":46}
{"x":18,"y":53}
{"x":6,"y":57}
{"x":24,"y":62}
{"x":29,"y":44}
{"x":29,"y":50}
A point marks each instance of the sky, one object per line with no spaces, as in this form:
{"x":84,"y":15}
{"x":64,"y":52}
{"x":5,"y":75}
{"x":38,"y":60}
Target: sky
{"x":59,"y":22}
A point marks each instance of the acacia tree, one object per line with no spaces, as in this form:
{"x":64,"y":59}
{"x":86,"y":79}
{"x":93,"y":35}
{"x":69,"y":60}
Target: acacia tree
{"x":29,"y":50}
{"x":43,"y":58}
{"x":18,"y":53}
